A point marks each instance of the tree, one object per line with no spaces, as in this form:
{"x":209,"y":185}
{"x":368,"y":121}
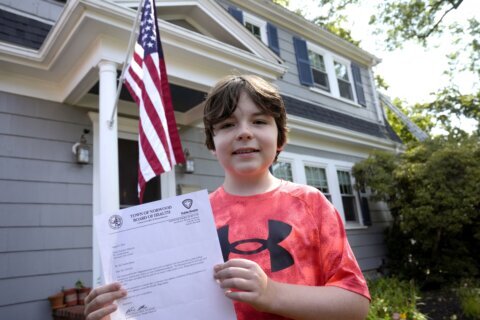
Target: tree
{"x":432,"y":192}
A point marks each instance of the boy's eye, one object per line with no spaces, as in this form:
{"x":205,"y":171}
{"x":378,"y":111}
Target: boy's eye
{"x":260,"y":121}
{"x":224,"y":125}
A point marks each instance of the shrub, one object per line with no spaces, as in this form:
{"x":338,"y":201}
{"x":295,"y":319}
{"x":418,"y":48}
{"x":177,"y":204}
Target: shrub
{"x":469,"y":296}
{"x":432,"y":191}
{"x":393,"y":298}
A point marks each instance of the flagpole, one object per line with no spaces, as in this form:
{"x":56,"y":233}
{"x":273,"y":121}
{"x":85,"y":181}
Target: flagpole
{"x":125,"y":63}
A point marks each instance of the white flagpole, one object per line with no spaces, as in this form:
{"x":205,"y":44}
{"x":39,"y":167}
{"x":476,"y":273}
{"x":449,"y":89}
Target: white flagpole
{"x":131,"y":42}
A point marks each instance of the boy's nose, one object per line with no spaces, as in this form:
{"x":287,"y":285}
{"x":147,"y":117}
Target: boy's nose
{"x":244,"y":132}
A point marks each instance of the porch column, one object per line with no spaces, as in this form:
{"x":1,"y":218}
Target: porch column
{"x":107,"y":198}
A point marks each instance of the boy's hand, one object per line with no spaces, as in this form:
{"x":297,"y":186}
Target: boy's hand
{"x":99,"y":303}
{"x":244,"y":280}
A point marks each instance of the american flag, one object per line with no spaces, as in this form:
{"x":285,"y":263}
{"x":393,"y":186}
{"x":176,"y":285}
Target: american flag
{"x":146,"y":78}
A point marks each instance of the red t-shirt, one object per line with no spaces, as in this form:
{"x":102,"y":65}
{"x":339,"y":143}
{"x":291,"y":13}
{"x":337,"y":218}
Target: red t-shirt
{"x":293,"y":232}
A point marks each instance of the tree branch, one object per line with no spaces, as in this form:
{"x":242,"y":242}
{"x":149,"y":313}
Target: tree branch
{"x":455,"y":5}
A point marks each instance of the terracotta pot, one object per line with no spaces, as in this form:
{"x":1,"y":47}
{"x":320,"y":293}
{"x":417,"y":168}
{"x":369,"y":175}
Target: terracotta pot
{"x":56,"y":300}
{"x":70,"y":297}
{"x":82,"y":293}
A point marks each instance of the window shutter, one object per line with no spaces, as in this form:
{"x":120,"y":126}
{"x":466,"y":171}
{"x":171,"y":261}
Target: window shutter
{"x":365,"y":211}
{"x":236,"y":13}
{"x":273,"y":38}
{"x":303,"y":63}
{"x":357,"y":79}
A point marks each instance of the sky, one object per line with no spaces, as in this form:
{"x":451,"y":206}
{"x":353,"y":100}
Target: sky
{"x":412,"y":72}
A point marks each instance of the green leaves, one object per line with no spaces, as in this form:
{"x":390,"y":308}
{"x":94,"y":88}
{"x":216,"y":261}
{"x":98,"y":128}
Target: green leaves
{"x":433,"y":193}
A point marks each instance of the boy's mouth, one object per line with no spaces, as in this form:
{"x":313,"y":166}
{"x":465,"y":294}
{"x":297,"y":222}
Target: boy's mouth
{"x":245,"y":151}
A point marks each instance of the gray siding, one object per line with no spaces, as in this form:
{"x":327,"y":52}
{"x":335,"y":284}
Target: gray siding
{"x":290,"y":84}
{"x":45,"y":205}
{"x":208,"y":173}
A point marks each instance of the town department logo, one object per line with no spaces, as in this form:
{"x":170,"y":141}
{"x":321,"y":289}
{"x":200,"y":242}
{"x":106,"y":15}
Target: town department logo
{"x":187,"y":203}
{"x":115,"y":221}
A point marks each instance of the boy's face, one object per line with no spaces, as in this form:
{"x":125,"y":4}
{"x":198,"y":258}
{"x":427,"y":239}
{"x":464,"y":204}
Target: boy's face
{"x":246,"y":142}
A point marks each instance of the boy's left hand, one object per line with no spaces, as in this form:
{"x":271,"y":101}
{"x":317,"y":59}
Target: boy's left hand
{"x":245,"y":281}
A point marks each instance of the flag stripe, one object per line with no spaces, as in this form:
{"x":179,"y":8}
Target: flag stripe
{"x":159,"y":144}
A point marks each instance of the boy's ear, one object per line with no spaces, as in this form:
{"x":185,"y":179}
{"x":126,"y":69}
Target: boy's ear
{"x":214,"y":152}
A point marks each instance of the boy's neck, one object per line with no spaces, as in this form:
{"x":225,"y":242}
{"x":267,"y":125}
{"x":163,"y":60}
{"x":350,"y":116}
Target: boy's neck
{"x":249,"y":186}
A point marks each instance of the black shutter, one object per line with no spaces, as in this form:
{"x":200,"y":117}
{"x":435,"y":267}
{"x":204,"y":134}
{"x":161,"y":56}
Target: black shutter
{"x":236,"y":13}
{"x":365,"y":211}
{"x":357,"y":80}
{"x":273,"y":38}
{"x":303,"y":63}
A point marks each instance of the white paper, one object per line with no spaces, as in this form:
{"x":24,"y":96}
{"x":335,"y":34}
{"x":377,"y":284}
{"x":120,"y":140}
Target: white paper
{"x":163,"y":253}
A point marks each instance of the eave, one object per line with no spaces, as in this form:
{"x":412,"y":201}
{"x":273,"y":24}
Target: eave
{"x":308,"y":30}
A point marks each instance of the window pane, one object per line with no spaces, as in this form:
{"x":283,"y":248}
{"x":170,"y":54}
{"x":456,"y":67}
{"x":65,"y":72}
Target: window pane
{"x":341,"y":71}
{"x":316,"y":177}
{"x":345,"y":89}
{"x":282,"y":170}
{"x":255,"y":30}
{"x":321,"y":79}
{"x":316,"y":61}
{"x":348,"y":198}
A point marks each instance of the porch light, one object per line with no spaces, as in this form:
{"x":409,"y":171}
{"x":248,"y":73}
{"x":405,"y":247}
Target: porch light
{"x":81,"y":150}
{"x":189,"y":163}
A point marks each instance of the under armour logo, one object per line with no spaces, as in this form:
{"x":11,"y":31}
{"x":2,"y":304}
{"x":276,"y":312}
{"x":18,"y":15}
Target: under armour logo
{"x":277,"y":232}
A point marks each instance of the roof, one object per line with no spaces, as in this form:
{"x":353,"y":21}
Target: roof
{"x":23,"y":31}
{"x":314,"y":112}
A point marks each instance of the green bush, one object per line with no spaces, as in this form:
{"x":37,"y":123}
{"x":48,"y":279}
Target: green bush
{"x":432,"y":191}
{"x":393,"y":298}
{"x":469,"y":296}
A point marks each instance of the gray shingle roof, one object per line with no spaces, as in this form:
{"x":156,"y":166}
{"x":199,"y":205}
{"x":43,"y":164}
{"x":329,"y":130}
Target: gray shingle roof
{"x":23,"y":31}
{"x":314,"y":112}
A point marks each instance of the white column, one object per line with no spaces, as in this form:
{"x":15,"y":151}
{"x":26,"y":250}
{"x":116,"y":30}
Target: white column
{"x":105,"y":182}
{"x":108,"y":138}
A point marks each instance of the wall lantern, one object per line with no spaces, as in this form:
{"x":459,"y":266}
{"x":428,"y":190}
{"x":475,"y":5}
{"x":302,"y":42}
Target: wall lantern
{"x":189,"y":163}
{"x":81,"y":150}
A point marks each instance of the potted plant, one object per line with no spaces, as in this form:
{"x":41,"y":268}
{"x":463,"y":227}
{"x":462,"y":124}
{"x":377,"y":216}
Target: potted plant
{"x":56,"y":300}
{"x":70,"y":297}
{"x":82,"y":291}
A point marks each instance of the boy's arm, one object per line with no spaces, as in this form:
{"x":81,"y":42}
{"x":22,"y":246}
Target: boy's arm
{"x":252,"y":286}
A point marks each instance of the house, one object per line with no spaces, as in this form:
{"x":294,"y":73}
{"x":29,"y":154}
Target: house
{"x":59,"y":63}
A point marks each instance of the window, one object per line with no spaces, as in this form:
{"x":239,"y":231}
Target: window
{"x":344,"y":85}
{"x":348,"y":197}
{"x":325,"y":72}
{"x":317,"y":177}
{"x":319,"y":72}
{"x":256,"y":26}
{"x":331,"y":177}
{"x":255,"y":30}
{"x":282,"y":170}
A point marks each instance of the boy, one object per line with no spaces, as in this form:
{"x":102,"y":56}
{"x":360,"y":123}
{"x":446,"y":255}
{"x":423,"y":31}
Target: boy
{"x":288,"y":255}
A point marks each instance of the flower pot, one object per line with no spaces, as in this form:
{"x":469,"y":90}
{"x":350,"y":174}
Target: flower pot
{"x":82,"y":293}
{"x":56,"y":300}
{"x":70,"y":297}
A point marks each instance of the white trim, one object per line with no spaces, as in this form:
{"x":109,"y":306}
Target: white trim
{"x":329,"y":59}
{"x":306,"y":29}
{"x":331,"y":166}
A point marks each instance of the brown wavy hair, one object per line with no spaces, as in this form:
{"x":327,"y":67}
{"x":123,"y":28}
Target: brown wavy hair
{"x":222,"y":101}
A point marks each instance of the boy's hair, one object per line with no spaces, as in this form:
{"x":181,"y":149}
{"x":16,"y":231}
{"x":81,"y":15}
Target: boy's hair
{"x":222,"y":101}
